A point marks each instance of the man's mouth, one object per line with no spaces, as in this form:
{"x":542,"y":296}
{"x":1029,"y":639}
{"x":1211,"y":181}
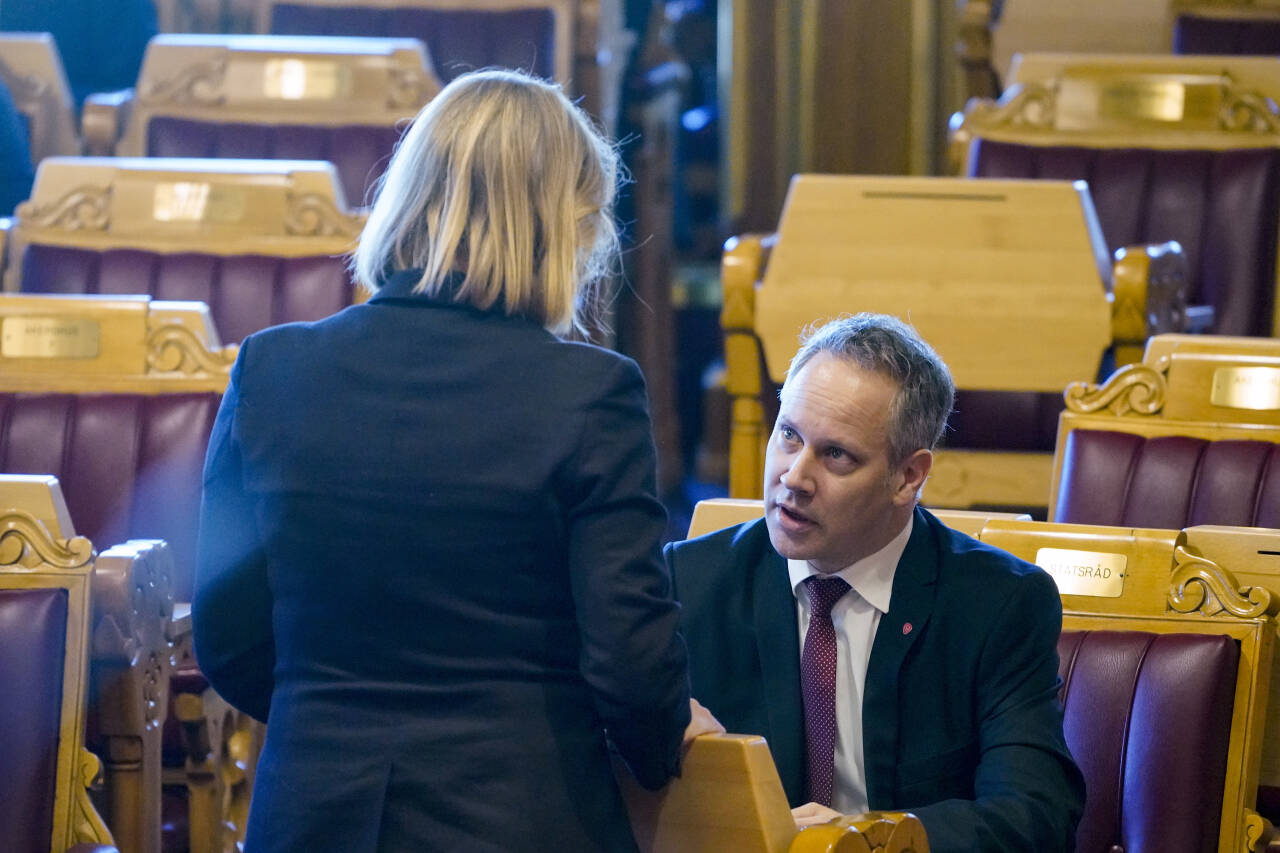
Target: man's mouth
{"x":794,"y":519}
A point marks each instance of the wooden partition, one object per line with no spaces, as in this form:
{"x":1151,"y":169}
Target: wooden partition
{"x":1008,"y":281}
{"x":729,"y":797}
{"x":39,"y":551}
{"x":32,"y":70}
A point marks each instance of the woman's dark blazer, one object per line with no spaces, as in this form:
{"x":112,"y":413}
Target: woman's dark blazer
{"x":430,"y":558}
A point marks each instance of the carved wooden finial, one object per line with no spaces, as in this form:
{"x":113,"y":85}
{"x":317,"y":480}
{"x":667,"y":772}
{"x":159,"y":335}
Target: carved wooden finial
{"x":1137,"y":389}
{"x":1201,"y":585}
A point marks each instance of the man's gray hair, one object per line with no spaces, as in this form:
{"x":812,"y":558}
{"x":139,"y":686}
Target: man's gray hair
{"x":894,"y":349}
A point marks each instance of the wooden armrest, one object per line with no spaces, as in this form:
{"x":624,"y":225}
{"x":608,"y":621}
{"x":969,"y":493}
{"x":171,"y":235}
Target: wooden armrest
{"x":1149,"y":295}
{"x":103,"y":121}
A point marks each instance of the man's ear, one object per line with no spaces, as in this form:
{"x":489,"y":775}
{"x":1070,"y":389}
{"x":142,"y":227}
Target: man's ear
{"x":913,"y":471}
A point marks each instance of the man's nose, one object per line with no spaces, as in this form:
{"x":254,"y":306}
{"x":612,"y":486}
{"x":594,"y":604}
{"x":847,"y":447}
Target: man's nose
{"x":798,"y":476}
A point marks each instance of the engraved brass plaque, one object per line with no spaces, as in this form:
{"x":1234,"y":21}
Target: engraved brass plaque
{"x":48,"y":337}
{"x":1095,"y":573}
{"x":305,"y":80}
{"x":1190,"y":100}
{"x":1254,"y":388}
{"x":197,"y":201}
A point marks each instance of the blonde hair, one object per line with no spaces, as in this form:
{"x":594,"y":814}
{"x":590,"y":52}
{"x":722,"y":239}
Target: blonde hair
{"x":500,"y":177}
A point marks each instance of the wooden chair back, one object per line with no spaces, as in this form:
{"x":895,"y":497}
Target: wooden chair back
{"x":1009,"y":283}
{"x":1174,"y":148}
{"x":1156,"y":582}
{"x":260,"y":241}
{"x":46,"y":576}
{"x":340,"y":99}
{"x":32,"y":70}
{"x":582,"y":44}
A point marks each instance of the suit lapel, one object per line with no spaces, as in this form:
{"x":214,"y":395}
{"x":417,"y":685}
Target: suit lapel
{"x":910,"y":606}
{"x":778,"y":644}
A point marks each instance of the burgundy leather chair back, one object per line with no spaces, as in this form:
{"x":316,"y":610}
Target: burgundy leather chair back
{"x":1169,"y":482}
{"x":457,"y":41}
{"x":360,"y":153}
{"x":1200,"y":34}
{"x":33,"y":630}
{"x":130,"y":464}
{"x":244,"y":293}
{"x":1222,"y":206}
{"x":1153,"y":785}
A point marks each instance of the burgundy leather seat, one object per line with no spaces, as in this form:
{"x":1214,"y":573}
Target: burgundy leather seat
{"x":457,"y":41}
{"x":244,"y":293}
{"x":33,"y":626}
{"x":130,"y":464}
{"x":360,"y":153}
{"x":1238,"y":37}
{"x":1151,"y":785}
{"x":1222,"y":206}
{"x":1169,"y":482}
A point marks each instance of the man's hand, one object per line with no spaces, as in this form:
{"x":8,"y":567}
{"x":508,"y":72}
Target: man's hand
{"x":812,"y":814}
{"x":701,"y":722}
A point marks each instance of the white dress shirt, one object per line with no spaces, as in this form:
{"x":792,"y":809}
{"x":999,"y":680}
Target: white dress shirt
{"x":855,"y":618}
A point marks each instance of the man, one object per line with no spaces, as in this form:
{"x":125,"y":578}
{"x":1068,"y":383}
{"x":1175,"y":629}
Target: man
{"x":891,"y":662}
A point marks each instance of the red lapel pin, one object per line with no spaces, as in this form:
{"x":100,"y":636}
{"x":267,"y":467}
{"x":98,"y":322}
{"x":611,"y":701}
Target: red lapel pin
{"x":906,"y":628}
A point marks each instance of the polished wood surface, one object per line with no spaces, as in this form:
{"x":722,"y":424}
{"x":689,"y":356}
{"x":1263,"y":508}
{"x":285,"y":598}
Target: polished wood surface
{"x":1008,"y":281}
{"x":729,"y":797}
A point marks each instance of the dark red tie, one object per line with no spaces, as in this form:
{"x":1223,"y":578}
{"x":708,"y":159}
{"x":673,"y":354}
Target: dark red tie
{"x":818,"y":682}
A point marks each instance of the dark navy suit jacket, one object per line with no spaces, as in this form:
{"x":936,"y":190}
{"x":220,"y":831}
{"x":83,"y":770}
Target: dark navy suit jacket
{"x":961,"y":719}
{"x":430,"y":559}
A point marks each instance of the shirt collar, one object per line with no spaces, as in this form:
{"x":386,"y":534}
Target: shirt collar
{"x":871,"y":577}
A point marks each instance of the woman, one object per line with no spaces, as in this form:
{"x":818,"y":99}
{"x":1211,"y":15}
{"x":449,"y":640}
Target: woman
{"x":429,"y":543}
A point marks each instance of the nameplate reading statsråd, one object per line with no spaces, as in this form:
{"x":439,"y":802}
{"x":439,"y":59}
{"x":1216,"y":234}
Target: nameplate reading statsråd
{"x":1254,"y":388}
{"x":1095,"y":573}
{"x":48,"y":337}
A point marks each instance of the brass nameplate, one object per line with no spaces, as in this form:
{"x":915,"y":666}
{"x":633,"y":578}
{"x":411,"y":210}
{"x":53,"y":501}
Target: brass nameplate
{"x":1189,"y":100}
{"x":1095,"y":573}
{"x":48,"y":337}
{"x":1255,"y":388}
{"x":305,"y":80}
{"x":197,"y":201}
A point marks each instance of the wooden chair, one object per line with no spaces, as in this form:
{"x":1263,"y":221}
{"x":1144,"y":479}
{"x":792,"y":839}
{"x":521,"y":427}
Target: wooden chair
{"x":32,"y":70}
{"x":1010,"y":284}
{"x":345,"y":100}
{"x":46,"y":576}
{"x":1172,"y":149}
{"x":582,"y":44}
{"x":729,"y":797}
{"x":1189,"y":438}
{"x":259,"y":241}
{"x":1229,"y":27}
{"x":1166,"y":661}
{"x":116,"y":397}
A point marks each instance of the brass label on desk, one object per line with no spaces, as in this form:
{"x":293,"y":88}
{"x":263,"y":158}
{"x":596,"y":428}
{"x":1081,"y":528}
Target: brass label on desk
{"x":305,"y":80}
{"x":48,"y":337}
{"x":1191,"y":99}
{"x":197,"y":201}
{"x":1095,"y":573}
{"x":1255,"y":388}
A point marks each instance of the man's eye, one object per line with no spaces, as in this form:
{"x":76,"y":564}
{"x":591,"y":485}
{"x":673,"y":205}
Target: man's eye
{"x":787,"y":433}
{"x":836,"y":453}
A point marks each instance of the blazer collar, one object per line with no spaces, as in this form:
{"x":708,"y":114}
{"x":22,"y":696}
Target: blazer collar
{"x":778,"y":646}
{"x":398,"y":287}
{"x":914,"y":590}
